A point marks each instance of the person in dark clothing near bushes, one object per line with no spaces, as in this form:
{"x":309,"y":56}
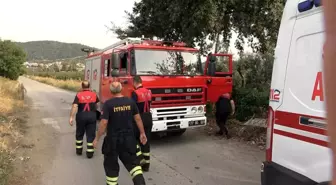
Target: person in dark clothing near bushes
{"x":224,"y":108}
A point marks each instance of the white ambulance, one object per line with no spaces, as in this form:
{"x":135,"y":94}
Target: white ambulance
{"x":297,"y":151}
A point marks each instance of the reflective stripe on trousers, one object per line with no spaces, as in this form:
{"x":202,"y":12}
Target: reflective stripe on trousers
{"x":146,"y":158}
{"x":138,"y":150}
{"x":90,"y":147}
{"x":111,"y":180}
{"x":79,"y":143}
{"x":136,"y":171}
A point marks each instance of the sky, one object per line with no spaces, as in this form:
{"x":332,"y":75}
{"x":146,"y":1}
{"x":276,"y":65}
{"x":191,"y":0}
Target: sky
{"x":71,"y":21}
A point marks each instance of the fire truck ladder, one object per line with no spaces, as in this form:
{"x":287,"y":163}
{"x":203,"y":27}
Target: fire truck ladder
{"x":123,"y":43}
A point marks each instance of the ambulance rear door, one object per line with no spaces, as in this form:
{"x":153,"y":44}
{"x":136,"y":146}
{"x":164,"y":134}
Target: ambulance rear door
{"x":300,"y":140}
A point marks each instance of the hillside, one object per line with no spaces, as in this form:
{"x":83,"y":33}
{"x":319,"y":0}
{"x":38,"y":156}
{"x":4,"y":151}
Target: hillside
{"x":51,"y":50}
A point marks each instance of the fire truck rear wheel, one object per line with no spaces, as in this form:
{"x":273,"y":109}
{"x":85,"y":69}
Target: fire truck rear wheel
{"x":177,"y":132}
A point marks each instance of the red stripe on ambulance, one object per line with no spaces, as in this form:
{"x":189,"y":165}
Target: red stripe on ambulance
{"x":292,"y":120}
{"x":301,"y":138}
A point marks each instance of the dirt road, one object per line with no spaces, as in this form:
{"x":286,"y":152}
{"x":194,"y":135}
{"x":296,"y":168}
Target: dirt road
{"x":192,"y":159}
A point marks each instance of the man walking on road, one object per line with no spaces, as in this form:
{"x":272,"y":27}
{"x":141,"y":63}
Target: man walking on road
{"x":224,"y":107}
{"x":86,"y":103}
{"x":143,"y":99}
{"x":117,"y":119}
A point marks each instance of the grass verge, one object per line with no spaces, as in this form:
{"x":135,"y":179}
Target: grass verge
{"x":72,"y":85}
{"x":12,"y":124}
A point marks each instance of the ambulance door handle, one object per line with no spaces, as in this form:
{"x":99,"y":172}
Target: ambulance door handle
{"x":319,"y":123}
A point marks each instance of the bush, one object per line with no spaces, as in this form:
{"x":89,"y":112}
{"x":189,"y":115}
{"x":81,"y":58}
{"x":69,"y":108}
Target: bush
{"x":250,"y":103}
{"x":12,"y":58}
{"x":252,"y":79}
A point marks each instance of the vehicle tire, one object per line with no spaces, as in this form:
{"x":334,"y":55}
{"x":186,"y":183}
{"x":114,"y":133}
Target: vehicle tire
{"x":177,"y":132}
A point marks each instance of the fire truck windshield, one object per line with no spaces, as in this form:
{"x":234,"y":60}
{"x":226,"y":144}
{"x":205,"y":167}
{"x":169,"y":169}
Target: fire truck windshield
{"x":164,"y":62}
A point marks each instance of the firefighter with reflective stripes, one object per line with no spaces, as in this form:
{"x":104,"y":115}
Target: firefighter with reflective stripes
{"x":143,"y":99}
{"x":85,"y":103}
{"x":117,"y":119}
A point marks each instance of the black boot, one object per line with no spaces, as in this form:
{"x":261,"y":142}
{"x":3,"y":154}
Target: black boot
{"x":139,"y":180}
{"x":145,"y":167}
{"x":79,"y":151}
{"x":89,"y":155}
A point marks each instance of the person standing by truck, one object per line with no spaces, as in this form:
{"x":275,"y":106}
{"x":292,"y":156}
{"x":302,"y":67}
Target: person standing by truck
{"x":86,"y":103}
{"x":224,"y":108}
{"x":143,"y":97}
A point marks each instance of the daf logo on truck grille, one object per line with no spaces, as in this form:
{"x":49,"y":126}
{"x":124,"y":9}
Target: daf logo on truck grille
{"x":194,"y":90}
{"x":176,"y":90}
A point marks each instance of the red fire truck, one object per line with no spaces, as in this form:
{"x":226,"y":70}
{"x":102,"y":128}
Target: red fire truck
{"x":180,"y":82}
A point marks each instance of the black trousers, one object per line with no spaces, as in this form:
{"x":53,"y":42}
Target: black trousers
{"x":143,"y":151}
{"x":85,"y":124}
{"x":122,"y":146}
{"x":221,"y":119}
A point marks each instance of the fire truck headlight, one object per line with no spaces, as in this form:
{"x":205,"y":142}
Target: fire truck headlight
{"x":200,"y":109}
{"x":194,"y":110}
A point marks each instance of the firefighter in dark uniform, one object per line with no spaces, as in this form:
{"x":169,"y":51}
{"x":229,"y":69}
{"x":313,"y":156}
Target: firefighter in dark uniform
{"x":224,"y":108}
{"x":143,"y":99}
{"x":117,"y":119}
{"x":86,"y":103}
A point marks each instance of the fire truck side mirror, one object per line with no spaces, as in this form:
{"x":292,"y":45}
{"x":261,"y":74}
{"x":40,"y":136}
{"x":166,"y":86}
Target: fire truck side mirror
{"x":212,"y":65}
{"x":115,"y":61}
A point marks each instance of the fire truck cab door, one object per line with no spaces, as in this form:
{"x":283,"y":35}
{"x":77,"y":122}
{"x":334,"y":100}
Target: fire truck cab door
{"x":220,"y":81}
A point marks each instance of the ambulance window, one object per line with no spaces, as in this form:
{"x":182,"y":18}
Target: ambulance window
{"x":107,"y":68}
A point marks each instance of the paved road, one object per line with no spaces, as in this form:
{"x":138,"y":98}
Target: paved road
{"x":192,"y":159}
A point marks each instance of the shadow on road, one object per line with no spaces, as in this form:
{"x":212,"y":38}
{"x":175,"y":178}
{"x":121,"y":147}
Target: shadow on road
{"x":190,"y":136}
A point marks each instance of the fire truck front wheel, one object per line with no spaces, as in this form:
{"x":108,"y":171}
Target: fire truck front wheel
{"x":177,"y":132}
